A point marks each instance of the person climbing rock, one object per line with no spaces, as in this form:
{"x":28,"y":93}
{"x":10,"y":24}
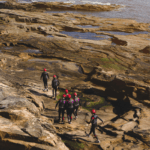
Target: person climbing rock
{"x":45,"y":77}
{"x":76,"y":105}
{"x":55,"y":84}
{"x":61,"y":103}
{"x":94,"y":118}
{"x":70,"y":108}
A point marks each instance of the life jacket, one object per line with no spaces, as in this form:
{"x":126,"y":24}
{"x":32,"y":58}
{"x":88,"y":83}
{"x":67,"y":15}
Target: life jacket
{"x":62,"y":103}
{"x":70,"y":103}
{"x":94,"y":119}
{"x":76,"y":101}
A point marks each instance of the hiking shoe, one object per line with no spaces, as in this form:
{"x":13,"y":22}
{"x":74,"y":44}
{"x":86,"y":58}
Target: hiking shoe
{"x":69,"y":122}
{"x":87,"y":135}
{"x":98,"y":141}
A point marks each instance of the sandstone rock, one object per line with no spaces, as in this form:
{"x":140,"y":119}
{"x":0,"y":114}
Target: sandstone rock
{"x":129,"y":138}
{"x":16,"y":102}
{"x":24,"y":56}
{"x":129,"y":126}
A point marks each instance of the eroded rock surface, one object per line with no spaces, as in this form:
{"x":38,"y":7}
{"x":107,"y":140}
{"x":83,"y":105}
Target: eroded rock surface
{"x":110,"y":72}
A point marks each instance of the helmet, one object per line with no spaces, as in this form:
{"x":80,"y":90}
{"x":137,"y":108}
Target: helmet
{"x":64,"y":95}
{"x":54,"y":76}
{"x":69,"y":96}
{"x":75,"y":94}
{"x":66,"y":91}
{"x":44,"y":69}
{"x":93,"y":111}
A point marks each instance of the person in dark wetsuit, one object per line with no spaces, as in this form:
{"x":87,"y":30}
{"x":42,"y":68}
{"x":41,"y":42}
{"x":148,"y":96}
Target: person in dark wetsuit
{"x":69,"y":108}
{"x":55,"y":84}
{"x":76,"y":104}
{"x":45,"y":77}
{"x":94,"y":118}
{"x":61,"y":103}
{"x":66,"y":93}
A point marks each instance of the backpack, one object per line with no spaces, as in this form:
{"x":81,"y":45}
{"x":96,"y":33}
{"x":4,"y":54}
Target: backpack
{"x":55,"y":82}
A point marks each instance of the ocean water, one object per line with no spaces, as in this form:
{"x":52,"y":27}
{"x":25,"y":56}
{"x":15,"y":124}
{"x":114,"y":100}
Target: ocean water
{"x":132,"y":9}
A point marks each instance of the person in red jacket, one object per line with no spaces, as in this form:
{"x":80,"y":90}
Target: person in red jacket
{"x":94,"y":118}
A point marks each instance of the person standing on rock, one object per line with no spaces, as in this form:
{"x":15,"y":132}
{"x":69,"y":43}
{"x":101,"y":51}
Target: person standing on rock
{"x":61,"y":103}
{"x":70,"y":108}
{"x":55,"y":84}
{"x":94,"y":118}
{"x":76,"y":105}
{"x":45,"y":77}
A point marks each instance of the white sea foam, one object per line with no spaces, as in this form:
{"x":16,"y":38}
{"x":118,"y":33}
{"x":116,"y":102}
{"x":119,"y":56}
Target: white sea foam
{"x":96,"y":3}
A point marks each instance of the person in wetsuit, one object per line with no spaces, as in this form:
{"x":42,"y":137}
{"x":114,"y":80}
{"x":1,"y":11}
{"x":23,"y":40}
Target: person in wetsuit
{"x":55,"y":84}
{"x":70,"y":108}
{"x":94,"y":118}
{"x":45,"y":77}
{"x":61,"y":103}
{"x":76,"y":104}
{"x":66,"y":93}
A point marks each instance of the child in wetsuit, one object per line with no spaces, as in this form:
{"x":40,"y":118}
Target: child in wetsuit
{"x":94,"y":118}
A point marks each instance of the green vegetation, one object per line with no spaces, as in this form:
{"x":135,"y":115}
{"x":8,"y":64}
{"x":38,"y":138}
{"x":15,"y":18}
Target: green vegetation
{"x":92,"y":104}
{"x":105,"y":59}
{"x":73,"y":145}
{"x":109,"y":59}
{"x":114,"y":66}
{"x":61,"y":92}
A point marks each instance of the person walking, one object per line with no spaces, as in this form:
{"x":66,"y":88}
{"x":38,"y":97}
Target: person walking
{"x":61,"y":103}
{"x":45,"y":77}
{"x":94,"y":118}
{"x":66,"y":93}
{"x":55,"y":84}
{"x":70,"y":108}
{"x":76,"y":105}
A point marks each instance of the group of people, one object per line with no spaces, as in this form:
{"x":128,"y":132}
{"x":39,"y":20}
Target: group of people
{"x":55,"y":82}
{"x":69,"y":104}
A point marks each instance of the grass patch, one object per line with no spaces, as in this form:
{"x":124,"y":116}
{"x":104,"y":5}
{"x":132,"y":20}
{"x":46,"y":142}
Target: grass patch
{"x":92,"y":104}
{"x":114,"y":66}
{"x":73,"y":145}
{"x":105,"y":59}
{"x":61,"y":92}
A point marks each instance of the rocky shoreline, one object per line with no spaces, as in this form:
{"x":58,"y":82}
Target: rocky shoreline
{"x":105,"y":60}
